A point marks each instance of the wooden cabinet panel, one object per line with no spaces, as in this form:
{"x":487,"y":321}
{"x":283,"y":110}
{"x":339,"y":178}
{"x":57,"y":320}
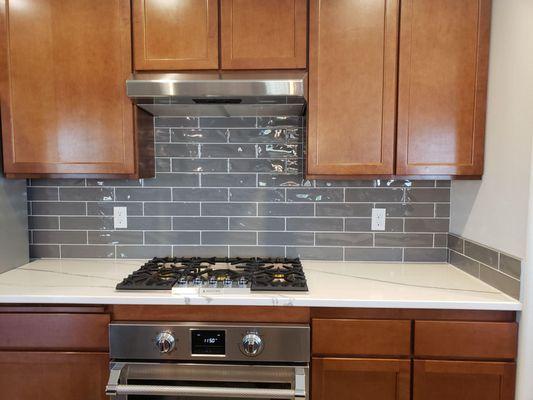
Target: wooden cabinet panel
{"x":442,"y":86}
{"x":361,"y":337}
{"x":452,"y":339}
{"x":53,"y":376}
{"x":461,"y":380}
{"x":352,"y":87}
{"x":258,"y":34}
{"x":63,"y":69}
{"x":175,"y":34}
{"x":360,"y":379}
{"x":75,"y":332}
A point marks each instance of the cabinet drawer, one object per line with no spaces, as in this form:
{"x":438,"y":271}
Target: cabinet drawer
{"x":478,"y":340}
{"x":361,"y":337}
{"x":62,"y":332}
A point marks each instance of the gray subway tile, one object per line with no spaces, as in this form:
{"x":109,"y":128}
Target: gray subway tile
{"x":407,"y":209}
{"x":150,"y":223}
{"x":143,"y":251}
{"x":279,"y":121}
{"x":482,"y":254}
{"x":456,"y":243}
{"x":279,"y":150}
{"x":425,"y":255}
{"x":510,"y":265}
{"x":86,"y":194}
{"x":346,"y":183}
{"x":107,"y":208}
{"x":159,"y":208}
{"x":445,"y":183}
{"x":506,"y":284}
{"x":257,"y":165}
{"x":441,"y":240}
{"x":266,"y":135}
{"x":170,"y":122}
{"x":374,"y":195}
{"x":228,"y":150}
{"x":57,"y":208}
{"x":365,"y":225}
{"x":373,"y":254}
{"x":423,"y":195}
{"x":344,"y":210}
{"x":231,"y":238}
{"x":115,"y":182}
{"x":87,"y":251}
{"x":199,"y":165}
{"x":256,"y":251}
{"x":256,"y":223}
{"x":427,"y":225}
{"x":258,"y":195}
{"x":60,"y":237}
{"x":404,"y":183}
{"x":314,"y":224}
{"x":229,"y":209}
{"x":200,"y":194}
{"x":143,"y":194}
{"x":286,"y":238}
{"x":464,"y":263}
{"x":199,"y":135}
{"x":403,"y":240}
{"x":228,"y":180}
{"x":173,"y":180}
{"x":162,"y":165}
{"x":285,"y":209}
{"x":315,"y":195}
{"x":177,"y":238}
{"x":285,"y":180}
{"x":315,"y":253}
{"x":344,"y":239}
{"x":44,"y":251}
{"x":227,"y":122}
{"x":200,"y":251}
{"x":43,"y":193}
{"x":442,"y":210}
{"x":87,"y":223}
{"x":115,"y":237}
{"x":176,"y":150}
{"x":43,"y":222}
{"x":162,"y":135}
{"x":200,"y":223}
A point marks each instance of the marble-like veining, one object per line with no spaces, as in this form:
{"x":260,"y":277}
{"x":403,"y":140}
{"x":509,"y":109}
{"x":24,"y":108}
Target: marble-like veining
{"x":331,"y":284}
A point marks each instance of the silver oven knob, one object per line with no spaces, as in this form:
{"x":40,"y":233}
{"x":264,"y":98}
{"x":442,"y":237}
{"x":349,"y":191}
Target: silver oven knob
{"x":165,"y":342}
{"x":252,"y":345}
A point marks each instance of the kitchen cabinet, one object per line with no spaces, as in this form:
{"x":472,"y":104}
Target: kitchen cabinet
{"x":258,"y":34}
{"x":352,"y":87}
{"x":64,"y":109}
{"x":360,"y":379}
{"x":175,"y":34}
{"x":463,"y":380}
{"x":444,"y":48}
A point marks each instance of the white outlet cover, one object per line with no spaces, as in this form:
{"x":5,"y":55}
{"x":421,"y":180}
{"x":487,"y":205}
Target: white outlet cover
{"x":120,"y":216}
{"x":379,"y":216}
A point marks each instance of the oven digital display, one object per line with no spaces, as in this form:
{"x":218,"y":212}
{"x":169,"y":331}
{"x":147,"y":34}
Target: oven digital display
{"x":208,"y":342}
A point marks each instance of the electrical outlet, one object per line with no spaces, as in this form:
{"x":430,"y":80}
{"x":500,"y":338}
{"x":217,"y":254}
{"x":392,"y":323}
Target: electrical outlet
{"x":120,"y":215}
{"x":378,"y":219}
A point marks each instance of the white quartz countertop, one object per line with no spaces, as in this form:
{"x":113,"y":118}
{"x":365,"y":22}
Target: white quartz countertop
{"x":331,"y":284}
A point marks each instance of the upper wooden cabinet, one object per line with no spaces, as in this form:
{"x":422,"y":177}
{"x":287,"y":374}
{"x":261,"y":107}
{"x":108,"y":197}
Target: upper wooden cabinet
{"x":259,"y":34}
{"x":175,"y":34}
{"x":352,"y":87}
{"x":63,"y":66}
{"x":442,"y":86}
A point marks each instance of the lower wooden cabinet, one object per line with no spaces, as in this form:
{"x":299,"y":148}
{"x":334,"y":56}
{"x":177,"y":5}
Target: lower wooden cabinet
{"x":463,"y":380}
{"x":53,"y":375}
{"x":360,"y":379}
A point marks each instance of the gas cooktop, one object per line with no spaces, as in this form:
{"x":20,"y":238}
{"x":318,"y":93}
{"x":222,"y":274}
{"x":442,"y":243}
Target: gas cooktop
{"x":217,"y":275}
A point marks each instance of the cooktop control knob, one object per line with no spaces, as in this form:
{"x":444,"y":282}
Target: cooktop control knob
{"x":165,"y":342}
{"x":252,"y":345}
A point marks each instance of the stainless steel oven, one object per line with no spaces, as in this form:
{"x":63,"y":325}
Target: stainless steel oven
{"x":181,"y":361}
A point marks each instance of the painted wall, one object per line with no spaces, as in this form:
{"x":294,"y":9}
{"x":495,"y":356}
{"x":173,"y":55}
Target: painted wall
{"x":493,"y":211}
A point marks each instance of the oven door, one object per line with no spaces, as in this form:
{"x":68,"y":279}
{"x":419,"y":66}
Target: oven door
{"x":172,"y":381}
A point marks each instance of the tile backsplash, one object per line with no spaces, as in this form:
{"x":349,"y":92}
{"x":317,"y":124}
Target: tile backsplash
{"x":235,"y":187}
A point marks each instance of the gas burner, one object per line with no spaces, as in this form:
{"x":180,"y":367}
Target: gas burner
{"x":256,"y":274}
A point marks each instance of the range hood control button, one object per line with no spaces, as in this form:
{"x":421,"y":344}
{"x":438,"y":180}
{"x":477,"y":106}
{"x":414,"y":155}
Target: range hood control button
{"x":165,"y":342}
{"x":252,"y":345}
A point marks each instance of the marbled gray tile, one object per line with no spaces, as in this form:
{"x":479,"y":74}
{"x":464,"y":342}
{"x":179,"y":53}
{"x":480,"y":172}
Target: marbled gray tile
{"x":482,"y":254}
{"x":200,"y":194}
{"x":257,"y":165}
{"x":58,"y":208}
{"x":115,"y":182}
{"x":229,"y":209}
{"x":200,"y":223}
{"x":115,"y":237}
{"x":403,"y":240}
{"x":265,"y":135}
{"x":407,"y":209}
{"x":345,"y":183}
{"x":171,"y":209}
{"x":425,"y":255}
{"x":344,"y":210}
{"x":256,"y":224}
{"x":87,"y":251}
{"x":456,"y":243}
{"x":177,"y":238}
{"x":162,"y":165}
{"x":176,"y":150}
{"x":86,"y":194}
{"x":228,"y":122}
{"x":286,"y":209}
{"x":314,"y":224}
{"x":43,"y":193}
{"x":273,"y":180}
{"x":278,"y":150}
{"x":315,"y":195}
{"x":374,"y":195}
{"x":228,"y":180}
{"x":87,"y":223}
{"x":464,"y":263}
{"x":286,"y":238}
{"x":500,"y":281}
{"x":143,"y":194}
{"x":150,"y":223}
{"x":510,"y":265}
{"x":228,"y":150}
{"x":444,"y":183}
{"x":44,"y":251}
{"x":199,"y":165}
{"x":177,"y":122}
{"x":315,"y":253}
{"x":162,"y":135}
{"x":344,"y":239}
{"x":373,"y":254}
{"x":441,"y":240}
{"x":230,"y":238}
{"x":365,"y":225}
{"x":173,"y":180}
{"x":426,"y":225}
{"x":107,"y":208}
{"x":60,"y":237}
{"x":279,"y":121}
{"x":143,"y":251}
{"x":35,"y":222}
{"x":200,"y":251}
{"x":404,"y":183}
{"x":422,"y":195}
{"x":259,"y":195}
{"x":442,"y":210}
{"x":256,"y":251}
{"x":199,"y":135}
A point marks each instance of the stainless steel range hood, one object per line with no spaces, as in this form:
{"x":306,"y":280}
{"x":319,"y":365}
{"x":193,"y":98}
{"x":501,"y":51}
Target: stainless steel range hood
{"x":224,"y":94}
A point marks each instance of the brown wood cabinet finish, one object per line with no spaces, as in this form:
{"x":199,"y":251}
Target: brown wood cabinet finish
{"x":443,"y":71}
{"x":488,"y":340}
{"x":352,"y":87}
{"x":463,"y":380}
{"x":53,"y":376}
{"x":360,"y":379}
{"x":175,"y":34}
{"x":63,"y":65}
{"x":345,"y":337}
{"x":259,"y":34}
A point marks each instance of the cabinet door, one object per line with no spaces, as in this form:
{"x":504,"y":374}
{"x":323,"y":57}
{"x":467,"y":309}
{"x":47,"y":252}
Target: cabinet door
{"x":352,"y":87}
{"x":259,"y":34}
{"x":175,"y":34}
{"x":53,"y":376}
{"x":360,"y":379}
{"x":442,"y":86}
{"x":463,"y":380}
{"x":63,"y":67}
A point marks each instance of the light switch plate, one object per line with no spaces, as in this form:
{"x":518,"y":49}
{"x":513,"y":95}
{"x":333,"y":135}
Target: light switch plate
{"x":120,"y":215}
{"x":378,"y":219}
